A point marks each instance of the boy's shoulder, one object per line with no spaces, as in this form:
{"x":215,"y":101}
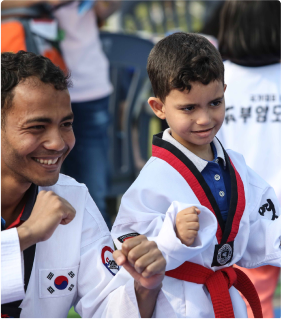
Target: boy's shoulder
{"x":157,"y":170}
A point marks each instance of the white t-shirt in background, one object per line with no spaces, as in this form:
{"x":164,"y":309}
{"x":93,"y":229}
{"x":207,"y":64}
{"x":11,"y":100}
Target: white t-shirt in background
{"x":252,"y":123}
{"x":83,"y":54}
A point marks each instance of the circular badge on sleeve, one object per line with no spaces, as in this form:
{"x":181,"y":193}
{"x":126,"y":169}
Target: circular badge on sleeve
{"x":108,"y":261}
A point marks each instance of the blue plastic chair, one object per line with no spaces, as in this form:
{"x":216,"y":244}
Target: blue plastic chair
{"x":127,"y":55}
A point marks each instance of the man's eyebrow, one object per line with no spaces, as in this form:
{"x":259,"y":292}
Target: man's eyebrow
{"x":48,"y":120}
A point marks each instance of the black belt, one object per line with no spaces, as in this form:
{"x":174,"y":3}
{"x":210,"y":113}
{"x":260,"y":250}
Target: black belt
{"x":12,"y":309}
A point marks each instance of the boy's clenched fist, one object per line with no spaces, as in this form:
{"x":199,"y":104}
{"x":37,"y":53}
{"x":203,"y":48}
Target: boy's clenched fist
{"x":187,"y":225}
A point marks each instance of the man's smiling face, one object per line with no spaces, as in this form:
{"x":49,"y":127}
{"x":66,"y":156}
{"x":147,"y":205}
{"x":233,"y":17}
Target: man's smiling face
{"x":37,"y":133}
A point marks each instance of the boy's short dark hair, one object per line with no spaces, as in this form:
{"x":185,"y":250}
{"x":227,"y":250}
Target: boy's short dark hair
{"x":16,"y":67}
{"x":250,"y":31}
{"x":180,"y":59}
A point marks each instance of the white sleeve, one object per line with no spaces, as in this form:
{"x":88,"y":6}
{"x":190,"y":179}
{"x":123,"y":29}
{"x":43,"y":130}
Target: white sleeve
{"x":12,"y":285}
{"x":104,"y":292}
{"x":143,"y":212}
{"x":264,"y":244}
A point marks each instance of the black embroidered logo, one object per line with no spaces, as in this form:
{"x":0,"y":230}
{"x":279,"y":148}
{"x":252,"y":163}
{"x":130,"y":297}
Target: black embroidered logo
{"x":125,"y":237}
{"x":269,"y":206}
{"x":50,"y":276}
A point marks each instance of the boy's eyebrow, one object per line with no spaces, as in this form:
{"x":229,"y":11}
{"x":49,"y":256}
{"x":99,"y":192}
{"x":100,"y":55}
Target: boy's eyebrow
{"x":217,"y":98}
{"x":194,"y":104}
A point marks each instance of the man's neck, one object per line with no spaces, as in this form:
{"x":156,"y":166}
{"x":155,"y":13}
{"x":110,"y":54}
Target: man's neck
{"x":12,"y":198}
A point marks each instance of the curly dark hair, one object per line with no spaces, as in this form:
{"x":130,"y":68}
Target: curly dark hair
{"x":180,"y":59}
{"x":16,"y":67}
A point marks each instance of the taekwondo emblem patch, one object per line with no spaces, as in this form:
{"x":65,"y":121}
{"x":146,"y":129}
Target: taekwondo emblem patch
{"x":57,"y":282}
{"x":268,"y":207}
{"x":108,"y":261}
{"x":223,"y":254}
{"x":125,"y":237}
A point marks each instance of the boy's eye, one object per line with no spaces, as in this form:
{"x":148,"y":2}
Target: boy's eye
{"x":189,"y":108}
{"x":216,"y":103}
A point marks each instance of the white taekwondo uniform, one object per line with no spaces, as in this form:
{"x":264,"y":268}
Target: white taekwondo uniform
{"x":73,"y":267}
{"x":252,"y":123}
{"x":171,"y":182}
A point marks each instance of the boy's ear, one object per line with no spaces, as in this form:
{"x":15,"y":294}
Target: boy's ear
{"x":157,"y":106}
{"x":224,"y":87}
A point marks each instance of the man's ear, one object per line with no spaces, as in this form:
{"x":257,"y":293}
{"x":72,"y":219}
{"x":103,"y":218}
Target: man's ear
{"x":157,"y":106}
{"x":224,"y":87}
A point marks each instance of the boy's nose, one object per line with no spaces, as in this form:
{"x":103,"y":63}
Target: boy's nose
{"x":203,"y":118}
{"x":55,"y":141}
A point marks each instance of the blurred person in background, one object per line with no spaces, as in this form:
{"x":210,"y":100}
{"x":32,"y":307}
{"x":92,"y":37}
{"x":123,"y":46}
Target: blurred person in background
{"x":249,"y":40}
{"x":89,"y":67}
{"x":30,"y":26}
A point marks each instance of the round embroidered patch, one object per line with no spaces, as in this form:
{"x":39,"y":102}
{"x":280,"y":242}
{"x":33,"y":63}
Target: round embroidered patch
{"x":224,"y":254}
{"x":107,"y":260}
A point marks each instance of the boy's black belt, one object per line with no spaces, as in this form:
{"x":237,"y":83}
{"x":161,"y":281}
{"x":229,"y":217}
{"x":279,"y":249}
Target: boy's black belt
{"x":12,"y":309}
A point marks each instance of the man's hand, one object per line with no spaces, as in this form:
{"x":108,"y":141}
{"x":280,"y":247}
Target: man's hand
{"x":146,"y":264}
{"x":49,"y":211}
{"x":187,"y":225}
{"x":143,"y":260}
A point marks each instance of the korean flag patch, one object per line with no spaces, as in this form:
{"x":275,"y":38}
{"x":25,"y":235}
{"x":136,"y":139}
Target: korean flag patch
{"x":108,"y":261}
{"x":57,"y":282}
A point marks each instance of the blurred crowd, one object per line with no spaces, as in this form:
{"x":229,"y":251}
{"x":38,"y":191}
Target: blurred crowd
{"x":247,"y":34}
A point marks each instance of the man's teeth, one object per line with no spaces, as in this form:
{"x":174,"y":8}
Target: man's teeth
{"x":47,"y":161}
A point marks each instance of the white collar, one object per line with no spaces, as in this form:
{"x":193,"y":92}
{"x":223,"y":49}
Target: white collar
{"x":197,"y":161}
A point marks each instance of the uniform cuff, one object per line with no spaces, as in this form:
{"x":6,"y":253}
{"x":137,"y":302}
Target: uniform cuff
{"x":12,"y":286}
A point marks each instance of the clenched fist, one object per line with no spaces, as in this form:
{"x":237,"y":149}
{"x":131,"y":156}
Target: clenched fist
{"x":187,"y":225}
{"x":143,"y":260}
{"x":48,"y":212}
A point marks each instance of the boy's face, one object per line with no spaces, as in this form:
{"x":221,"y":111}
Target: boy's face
{"x":195,"y":116}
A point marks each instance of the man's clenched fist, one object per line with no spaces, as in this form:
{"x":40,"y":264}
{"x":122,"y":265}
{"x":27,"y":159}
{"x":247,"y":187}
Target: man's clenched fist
{"x":48,"y":212}
{"x":143,"y":260}
{"x":187,"y":225}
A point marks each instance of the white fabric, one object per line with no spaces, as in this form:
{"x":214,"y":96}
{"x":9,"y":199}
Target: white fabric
{"x":12,"y":287}
{"x":83,"y":55}
{"x":258,"y":142}
{"x":76,"y":248}
{"x":150,"y":207}
{"x":200,"y":163}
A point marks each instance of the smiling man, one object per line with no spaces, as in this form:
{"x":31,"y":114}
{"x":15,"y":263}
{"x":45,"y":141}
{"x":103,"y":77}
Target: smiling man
{"x":56,"y":250}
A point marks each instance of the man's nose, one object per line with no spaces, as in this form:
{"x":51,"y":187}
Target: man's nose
{"x":54,"y":140}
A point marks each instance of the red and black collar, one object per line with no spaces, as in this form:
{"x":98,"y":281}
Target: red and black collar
{"x":226,"y":232}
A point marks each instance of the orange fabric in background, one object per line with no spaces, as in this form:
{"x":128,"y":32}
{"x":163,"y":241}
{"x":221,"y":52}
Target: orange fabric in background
{"x":55,"y":57}
{"x":265,"y":279}
{"x":13,"y":40}
{"x":12,"y":36}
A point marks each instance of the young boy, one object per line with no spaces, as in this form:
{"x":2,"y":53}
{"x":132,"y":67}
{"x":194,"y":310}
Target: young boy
{"x":190,"y":173}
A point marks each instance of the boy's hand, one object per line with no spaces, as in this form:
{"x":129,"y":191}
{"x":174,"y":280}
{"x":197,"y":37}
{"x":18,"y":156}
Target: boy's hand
{"x":143,"y":260}
{"x":187,"y":225}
